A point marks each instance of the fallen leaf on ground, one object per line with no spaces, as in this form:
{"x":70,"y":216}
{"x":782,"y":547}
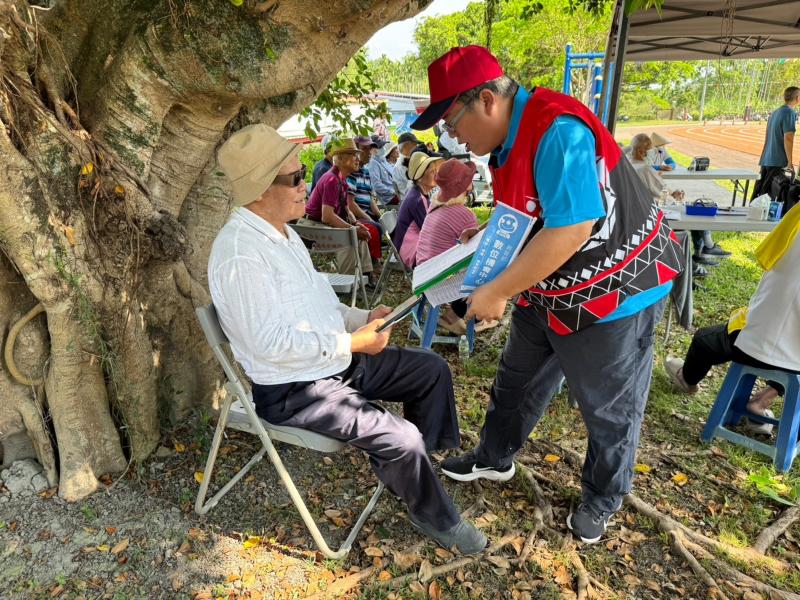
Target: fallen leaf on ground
{"x":198,"y":476}
{"x":642,"y":468}
{"x":551,"y":458}
{"x":680,"y":478}
{"x":332,"y":513}
{"x":120,"y":546}
{"x":251,"y":541}
{"x":499,"y":561}
{"x":103,"y":548}
{"x":179,"y":447}
{"x":406,"y":560}
{"x":373,"y":552}
{"x":384,"y":576}
{"x":443,"y":554}
{"x":435,"y":590}
{"x":425,"y":570}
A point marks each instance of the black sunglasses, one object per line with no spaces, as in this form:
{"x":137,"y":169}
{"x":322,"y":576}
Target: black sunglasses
{"x":292,"y":179}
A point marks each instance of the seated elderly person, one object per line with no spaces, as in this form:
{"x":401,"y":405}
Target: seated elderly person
{"x":641,"y":144}
{"x":331,"y":205}
{"x":406,"y":144}
{"x":422,"y":172}
{"x":765,"y":335}
{"x":360,"y":181}
{"x":316,"y":363}
{"x":381,"y":174}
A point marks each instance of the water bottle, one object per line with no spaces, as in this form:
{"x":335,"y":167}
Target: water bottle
{"x":463,"y":349}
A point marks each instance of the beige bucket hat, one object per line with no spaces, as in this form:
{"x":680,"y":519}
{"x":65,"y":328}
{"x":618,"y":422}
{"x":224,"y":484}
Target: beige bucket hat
{"x":251,"y":159}
{"x":419,"y":163}
{"x":659,"y":140}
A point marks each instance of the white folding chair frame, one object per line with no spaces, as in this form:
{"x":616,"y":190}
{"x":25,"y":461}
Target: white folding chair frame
{"x":251,"y":422}
{"x":327,"y":240}
{"x":388,"y":221}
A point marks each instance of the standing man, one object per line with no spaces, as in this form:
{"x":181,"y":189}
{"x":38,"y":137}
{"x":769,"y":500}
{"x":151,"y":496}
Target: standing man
{"x":592,"y":280}
{"x":777,"y":153}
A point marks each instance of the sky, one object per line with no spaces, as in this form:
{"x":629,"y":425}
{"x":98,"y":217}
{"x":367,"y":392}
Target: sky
{"x":397,"y":39}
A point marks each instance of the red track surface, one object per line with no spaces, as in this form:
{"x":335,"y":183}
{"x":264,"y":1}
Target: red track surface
{"x":743,"y":138}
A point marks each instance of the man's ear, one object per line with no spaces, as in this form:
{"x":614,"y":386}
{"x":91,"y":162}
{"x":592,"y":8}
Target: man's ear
{"x":488,"y":101}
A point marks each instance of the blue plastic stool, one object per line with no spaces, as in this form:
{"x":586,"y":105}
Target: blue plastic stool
{"x":730,"y":407}
{"x":423,"y":326}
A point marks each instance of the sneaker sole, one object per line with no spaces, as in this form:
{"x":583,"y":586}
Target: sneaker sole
{"x":490,"y":475}
{"x":583,"y":539}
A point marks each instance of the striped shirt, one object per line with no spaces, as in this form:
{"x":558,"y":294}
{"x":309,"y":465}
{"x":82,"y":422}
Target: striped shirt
{"x":442,"y":228}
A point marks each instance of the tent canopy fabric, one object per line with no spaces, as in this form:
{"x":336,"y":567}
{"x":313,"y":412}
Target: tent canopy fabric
{"x":703,"y":29}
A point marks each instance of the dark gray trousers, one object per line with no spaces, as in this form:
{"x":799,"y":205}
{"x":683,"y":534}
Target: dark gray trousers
{"x":607,"y":367}
{"x":339,"y":406}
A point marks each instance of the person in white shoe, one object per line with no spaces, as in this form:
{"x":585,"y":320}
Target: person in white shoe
{"x":766,"y":334}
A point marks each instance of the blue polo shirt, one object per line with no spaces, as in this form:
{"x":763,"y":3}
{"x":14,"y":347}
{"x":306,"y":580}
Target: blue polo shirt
{"x":569,"y":191}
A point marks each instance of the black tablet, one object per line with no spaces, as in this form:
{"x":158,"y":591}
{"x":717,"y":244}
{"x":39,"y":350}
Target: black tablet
{"x":400,"y":312}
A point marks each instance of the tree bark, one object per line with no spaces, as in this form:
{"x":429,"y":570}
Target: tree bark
{"x":110,"y":198}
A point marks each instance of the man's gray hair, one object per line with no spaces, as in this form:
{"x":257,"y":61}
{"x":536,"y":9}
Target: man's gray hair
{"x":640,"y":140}
{"x":502,"y":86}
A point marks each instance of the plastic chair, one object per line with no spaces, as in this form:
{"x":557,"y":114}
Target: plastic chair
{"x":329,"y":240}
{"x":238,"y":412}
{"x":730,"y":407}
{"x":424,"y":323}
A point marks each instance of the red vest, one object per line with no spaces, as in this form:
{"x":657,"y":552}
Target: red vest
{"x":630,"y":250}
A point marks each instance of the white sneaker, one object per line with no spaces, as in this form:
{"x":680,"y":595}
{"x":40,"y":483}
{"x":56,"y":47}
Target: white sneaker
{"x":674,"y":368}
{"x":759,"y":428}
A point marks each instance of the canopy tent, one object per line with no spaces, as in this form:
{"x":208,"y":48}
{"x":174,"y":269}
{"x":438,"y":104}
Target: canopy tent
{"x":699,"y":29}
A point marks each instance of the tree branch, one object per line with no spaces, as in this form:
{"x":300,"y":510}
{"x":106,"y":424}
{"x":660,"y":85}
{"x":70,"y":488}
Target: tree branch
{"x":768,"y":536}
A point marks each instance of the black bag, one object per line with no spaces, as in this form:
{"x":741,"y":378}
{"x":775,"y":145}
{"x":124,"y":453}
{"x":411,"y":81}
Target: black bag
{"x":700,"y":163}
{"x":786,"y":189}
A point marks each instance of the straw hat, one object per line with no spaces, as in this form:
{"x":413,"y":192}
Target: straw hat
{"x":251,"y":159}
{"x":343,"y":146}
{"x":419,"y":163}
{"x":659,"y":140}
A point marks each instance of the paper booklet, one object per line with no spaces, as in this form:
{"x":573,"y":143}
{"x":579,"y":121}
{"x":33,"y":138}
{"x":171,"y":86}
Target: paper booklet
{"x":456,"y":273}
{"x":440,"y":277}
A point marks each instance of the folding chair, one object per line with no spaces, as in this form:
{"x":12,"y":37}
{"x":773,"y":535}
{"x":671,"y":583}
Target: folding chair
{"x":238,"y":412}
{"x":388,"y":221}
{"x":329,"y":240}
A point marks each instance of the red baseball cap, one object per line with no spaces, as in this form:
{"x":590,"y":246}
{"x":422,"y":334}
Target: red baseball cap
{"x":454,"y":73}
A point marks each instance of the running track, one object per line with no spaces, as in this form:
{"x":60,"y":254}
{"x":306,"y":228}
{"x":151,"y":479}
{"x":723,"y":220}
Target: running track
{"x":743,"y":138}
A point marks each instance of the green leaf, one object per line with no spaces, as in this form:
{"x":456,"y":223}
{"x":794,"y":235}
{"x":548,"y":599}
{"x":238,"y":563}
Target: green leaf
{"x":237,"y":2}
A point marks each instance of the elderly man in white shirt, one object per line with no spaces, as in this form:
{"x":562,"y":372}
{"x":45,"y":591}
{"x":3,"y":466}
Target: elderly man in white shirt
{"x":314,"y":362}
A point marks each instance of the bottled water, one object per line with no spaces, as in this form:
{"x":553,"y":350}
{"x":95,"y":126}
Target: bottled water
{"x":463,"y":349}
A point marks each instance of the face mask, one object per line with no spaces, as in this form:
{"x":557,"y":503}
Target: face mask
{"x":652,"y":154}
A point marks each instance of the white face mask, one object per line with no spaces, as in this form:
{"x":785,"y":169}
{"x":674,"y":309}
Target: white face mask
{"x":652,"y":155}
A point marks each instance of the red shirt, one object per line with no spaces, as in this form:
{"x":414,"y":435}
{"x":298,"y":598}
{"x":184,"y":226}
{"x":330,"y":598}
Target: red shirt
{"x":331,"y":190}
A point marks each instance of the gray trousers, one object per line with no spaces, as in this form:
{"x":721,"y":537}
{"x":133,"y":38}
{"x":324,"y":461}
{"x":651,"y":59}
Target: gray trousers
{"x":607,"y":367}
{"x":339,"y":406}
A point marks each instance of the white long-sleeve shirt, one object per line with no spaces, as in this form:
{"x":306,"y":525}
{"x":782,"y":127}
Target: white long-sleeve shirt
{"x":282,"y":317}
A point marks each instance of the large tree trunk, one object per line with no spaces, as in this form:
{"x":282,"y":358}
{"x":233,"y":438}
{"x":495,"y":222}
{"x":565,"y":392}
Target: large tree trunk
{"x":110,"y":198}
